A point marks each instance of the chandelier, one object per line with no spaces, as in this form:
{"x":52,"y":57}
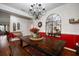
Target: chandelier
{"x":37,"y":10}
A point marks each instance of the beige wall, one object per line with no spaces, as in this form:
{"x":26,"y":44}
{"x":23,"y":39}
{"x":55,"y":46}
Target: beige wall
{"x":25,"y":24}
{"x":66,"y":12}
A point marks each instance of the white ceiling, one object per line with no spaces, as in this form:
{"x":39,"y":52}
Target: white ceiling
{"x":25,"y":6}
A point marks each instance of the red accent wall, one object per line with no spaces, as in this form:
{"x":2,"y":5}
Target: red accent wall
{"x":69,"y":38}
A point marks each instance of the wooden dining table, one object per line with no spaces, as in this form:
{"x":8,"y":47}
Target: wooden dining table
{"x":45,"y":45}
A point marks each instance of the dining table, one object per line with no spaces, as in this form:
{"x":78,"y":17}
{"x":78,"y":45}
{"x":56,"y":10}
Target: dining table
{"x":44,"y":45}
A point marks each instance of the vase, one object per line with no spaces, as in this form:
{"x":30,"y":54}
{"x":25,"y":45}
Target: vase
{"x":34,"y":35}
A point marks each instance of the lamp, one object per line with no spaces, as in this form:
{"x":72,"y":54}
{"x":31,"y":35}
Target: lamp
{"x":37,"y":10}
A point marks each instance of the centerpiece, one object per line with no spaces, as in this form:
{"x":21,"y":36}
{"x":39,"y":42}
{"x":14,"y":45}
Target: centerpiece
{"x":35,"y":34}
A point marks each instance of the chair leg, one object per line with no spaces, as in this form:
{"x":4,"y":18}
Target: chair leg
{"x":11,"y":52}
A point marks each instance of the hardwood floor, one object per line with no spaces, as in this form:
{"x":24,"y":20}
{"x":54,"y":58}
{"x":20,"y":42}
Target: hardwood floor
{"x":68,"y":53}
{"x":4,"y":51}
{"x":19,"y":51}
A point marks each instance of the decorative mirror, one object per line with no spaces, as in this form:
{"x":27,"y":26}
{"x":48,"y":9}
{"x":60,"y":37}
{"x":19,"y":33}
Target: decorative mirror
{"x":53,"y":25}
{"x":39,"y":24}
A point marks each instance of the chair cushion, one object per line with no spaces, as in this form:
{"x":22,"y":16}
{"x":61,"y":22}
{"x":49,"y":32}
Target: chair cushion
{"x":18,"y":34}
{"x":14,"y":39}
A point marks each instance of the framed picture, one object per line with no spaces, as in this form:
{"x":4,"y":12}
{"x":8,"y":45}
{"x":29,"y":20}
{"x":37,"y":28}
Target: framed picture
{"x":18,"y":26}
{"x":14,"y":26}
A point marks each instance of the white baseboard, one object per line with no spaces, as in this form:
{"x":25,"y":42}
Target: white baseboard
{"x":70,"y":49}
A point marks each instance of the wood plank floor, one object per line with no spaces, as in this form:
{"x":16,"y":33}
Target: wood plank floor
{"x":68,"y":53}
{"x":19,"y":51}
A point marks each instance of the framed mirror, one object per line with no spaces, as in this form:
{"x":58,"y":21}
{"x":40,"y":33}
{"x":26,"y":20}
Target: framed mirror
{"x":53,"y":25}
{"x":39,"y":24}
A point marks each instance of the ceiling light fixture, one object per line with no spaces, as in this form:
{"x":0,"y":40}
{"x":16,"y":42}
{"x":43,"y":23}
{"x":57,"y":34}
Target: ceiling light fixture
{"x":37,"y":10}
